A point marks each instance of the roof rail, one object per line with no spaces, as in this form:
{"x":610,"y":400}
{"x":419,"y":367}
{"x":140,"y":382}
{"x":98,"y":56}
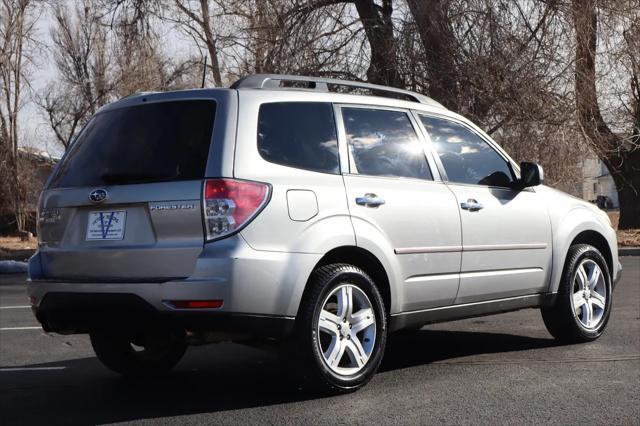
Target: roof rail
{"x":320,"y":84}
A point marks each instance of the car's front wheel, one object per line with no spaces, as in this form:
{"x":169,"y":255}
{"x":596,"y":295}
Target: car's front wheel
{"x":583,"y":304}
{"x":341,"y":329}
{"x":145,"y":354}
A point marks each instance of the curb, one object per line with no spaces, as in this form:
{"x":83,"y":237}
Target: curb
{"x":628,"y":251}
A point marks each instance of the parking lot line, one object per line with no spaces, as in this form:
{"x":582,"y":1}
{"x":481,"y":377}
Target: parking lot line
{"x":30,"y":369}
{"x":20,"y":328}
{"x":15,"y":307}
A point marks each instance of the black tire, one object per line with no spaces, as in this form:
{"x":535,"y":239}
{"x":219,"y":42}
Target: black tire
{"x":160,"y":351}
{"x":307,"y":349}
{"x":559,"y":318}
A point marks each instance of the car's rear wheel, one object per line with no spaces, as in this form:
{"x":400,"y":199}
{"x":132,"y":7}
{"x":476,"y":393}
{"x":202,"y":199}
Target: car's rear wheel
{"x":150,"y":353}
{"x":583,"y":304}
{"x":341,"y":329}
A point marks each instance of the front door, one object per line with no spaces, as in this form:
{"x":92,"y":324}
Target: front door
{"x":506,"y":233}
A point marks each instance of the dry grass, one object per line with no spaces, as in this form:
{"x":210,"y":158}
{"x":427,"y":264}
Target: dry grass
{"x":12,"y":248}
{"x":629,"y":238}
{"x":626,"y":238}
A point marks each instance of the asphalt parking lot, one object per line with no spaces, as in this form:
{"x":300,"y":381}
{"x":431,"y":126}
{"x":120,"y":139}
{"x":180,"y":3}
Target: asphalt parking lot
{"x":498,"y":369}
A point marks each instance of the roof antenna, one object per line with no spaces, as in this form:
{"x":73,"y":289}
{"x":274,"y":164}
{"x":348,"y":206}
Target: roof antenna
{"x":204,"y":71}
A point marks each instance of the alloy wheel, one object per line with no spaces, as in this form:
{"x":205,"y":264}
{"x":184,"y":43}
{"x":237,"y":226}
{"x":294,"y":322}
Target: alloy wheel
{"x":346,"y":330}
{"x":589,"y":298}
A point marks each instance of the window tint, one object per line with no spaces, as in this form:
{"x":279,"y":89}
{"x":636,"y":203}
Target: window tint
{"x":466,"y":157}
{"x":155,"y":142}
{"x":384,"y":143}
{"x":299,"y":134}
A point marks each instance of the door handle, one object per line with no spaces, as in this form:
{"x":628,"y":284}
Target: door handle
{"x":370,"y":200}
{"x":471,"y":205}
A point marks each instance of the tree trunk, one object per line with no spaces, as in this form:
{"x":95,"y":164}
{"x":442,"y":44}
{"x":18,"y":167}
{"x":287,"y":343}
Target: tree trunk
{"x":211,"y":43}
{"x":439,"y":43}
{"x":627,"y":180}
{"x":621,"y":159}
{"x":17,"y":86}
{"x":378,"y":27}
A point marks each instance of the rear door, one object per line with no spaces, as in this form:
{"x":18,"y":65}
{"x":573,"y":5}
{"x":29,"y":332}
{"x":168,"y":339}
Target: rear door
{"x":125,"y":203}
{"x":506,"y":232}
{"x":396,"y":203}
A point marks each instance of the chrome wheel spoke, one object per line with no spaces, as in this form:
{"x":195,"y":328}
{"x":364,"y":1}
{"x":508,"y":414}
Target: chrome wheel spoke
{"x":345,"y":301}
{"x":597,"y":299}
{"x":335,"y":352}
{"x":596,"y":274}
{"x":362,"y":319}
{"x":581,"y":277}
{"x":356,"y":353}
{"x":578,"y":300}
{"x":329,"y":323}
{"x":587,"y":314}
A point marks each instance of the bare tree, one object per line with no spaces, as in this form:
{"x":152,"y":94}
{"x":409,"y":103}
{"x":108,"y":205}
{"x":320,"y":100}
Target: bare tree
{"x":439,"y":46}
{"x":196,"y":19}
{"x":377,"y":22}
{"x":17,"y":22}
{"x":141,"y":65}
{"x":82,"y":61}
{"x":502,"y":64}
{"x":619,"y":152}
{"x":102,"y":53}
{"x":506,"y":65}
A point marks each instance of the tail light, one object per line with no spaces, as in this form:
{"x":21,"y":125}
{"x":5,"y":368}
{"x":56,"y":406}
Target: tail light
{"x":231,"y":204}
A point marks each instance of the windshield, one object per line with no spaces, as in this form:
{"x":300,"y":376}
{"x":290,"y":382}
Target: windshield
{"x":155,"y":142}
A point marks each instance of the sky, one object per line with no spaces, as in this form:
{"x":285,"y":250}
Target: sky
{"x":34,"y":127}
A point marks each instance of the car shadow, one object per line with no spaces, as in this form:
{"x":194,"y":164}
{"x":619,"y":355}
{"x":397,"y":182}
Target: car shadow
{"x":208,"y":380}
{"x":420,"y":347}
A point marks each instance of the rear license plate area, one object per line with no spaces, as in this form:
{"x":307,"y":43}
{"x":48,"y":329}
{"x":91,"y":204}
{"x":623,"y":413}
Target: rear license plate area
{"x":106,"y":225}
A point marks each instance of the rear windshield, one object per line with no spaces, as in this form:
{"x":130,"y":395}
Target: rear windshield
{"x":156,"y":142}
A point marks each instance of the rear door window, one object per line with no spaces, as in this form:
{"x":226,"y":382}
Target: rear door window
{"x":384,"y":143}
{"x":156,"y":142}
{"x":299,"y":134}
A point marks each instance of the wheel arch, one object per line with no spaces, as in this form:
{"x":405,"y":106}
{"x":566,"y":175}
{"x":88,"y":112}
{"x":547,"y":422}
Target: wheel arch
{"x":598,"y":241}
{"x":364,"y":260}
{"x":580,"y":226}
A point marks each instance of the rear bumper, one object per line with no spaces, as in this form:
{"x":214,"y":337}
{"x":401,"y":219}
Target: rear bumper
{"x":71,"y":313}
{"x":260,"y":290}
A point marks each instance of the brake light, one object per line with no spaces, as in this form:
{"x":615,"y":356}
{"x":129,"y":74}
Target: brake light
{"x":230,"y":204}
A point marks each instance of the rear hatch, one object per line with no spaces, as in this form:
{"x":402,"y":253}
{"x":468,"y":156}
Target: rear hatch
{"x":125,"y":203}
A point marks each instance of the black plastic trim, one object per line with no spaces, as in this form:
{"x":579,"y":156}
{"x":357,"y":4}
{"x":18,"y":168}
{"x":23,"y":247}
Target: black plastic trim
{"x":619,"y":276}
{"x":467,"y":310}
{"x":76,"y":313}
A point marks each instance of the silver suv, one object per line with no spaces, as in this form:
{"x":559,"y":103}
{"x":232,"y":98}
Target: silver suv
{"x":321,"y":214}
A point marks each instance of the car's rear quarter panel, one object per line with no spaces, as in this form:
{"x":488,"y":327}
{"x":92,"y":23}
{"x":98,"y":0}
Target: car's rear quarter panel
{"x":274,"y":229}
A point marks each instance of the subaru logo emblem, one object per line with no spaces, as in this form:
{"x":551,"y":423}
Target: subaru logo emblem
{"x":98,"y":195}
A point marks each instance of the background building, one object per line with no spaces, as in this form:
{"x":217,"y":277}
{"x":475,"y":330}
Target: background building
{"x":597,"y":184}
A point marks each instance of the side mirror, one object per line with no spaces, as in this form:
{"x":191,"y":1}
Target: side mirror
{"x":531,"y":174}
